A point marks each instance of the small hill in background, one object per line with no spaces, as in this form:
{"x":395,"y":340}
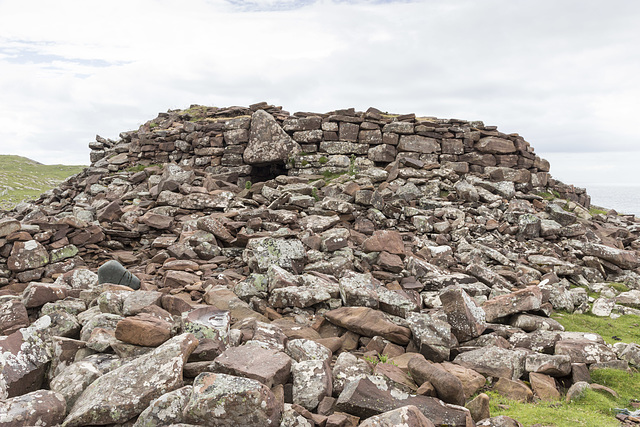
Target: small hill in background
{"x":22,"y":178}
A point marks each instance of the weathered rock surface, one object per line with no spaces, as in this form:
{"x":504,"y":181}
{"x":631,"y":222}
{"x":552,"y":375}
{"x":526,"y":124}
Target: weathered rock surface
{"x":125,"y":392}
{"x":407,"y":415}
{"x":282,"y":241}
{"x":38,"y":408}
{"x":223,"y":400}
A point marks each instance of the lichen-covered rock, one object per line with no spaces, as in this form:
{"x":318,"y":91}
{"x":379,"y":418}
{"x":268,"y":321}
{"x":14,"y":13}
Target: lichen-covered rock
{"x":292,"y":418}
{"x":529,"y":298}
{"x":27,"y":256}
{"x":207,"y":323}
{"x":24,"y":356}
{"x":268,"y":142}
{"x":8,"y":226}
{"x":38,"y":294}
{"x":364,"y":399}
{"x":221,"y":400}
{"x":625,"y":259}
{"x":38,"y":408}
{"x":368,"y":322}
{"x":433,"y":337}
{"x":266,"y":251}
{"x":585,"y":351}
{"x":304,"y":349}
{"x":166,"y":409}
{"x":548,"y":364}
{"x":464,"y":316}
{"x":125,"y":392}
{"x":13,"y":316}
{"x":72,"y":381}
{"x":405,"y":416}
{"x":348,"y":368}
{"x":311,"y":382}
{"x":270,"y":367}
{"x":494,"y":361}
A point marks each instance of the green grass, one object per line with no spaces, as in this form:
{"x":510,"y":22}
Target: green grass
{"x":593,"y":408}
{"x":626,"y":328}
{"x":586,"y":411}
{"x":620,"y":287}
{"x":24,"y":179}
{"x":593,"y":210}
{"x":549,"y":195}
{"x":328,"y":176}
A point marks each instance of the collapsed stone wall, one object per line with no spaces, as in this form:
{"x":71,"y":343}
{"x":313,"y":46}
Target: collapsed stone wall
{"x":360,"y":234}
{"x":341,"y":141}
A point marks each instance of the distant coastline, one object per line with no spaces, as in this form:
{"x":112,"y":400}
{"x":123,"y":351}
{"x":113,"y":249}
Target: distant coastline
{"x":624,"y":198}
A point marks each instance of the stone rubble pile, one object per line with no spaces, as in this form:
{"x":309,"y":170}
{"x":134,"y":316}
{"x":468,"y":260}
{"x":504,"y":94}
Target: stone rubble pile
{"x":340,"y":269}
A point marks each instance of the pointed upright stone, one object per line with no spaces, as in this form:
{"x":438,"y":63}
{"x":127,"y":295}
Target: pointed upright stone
{"x":268,"y":142}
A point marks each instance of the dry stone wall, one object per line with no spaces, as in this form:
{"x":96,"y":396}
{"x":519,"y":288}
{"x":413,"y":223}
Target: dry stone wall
{"x":224,"y":142}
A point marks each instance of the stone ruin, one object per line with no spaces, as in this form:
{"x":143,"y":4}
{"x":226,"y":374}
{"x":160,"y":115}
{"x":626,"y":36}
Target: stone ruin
{"x":340,"y":269}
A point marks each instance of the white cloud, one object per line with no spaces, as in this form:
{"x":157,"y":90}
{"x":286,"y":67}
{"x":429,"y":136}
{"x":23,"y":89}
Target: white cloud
{"x":562,"y":74}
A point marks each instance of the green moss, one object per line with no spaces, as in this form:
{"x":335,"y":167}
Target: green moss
{"x":594,"y":210}
{"x":328,"y":176}
{"x":247,"y":185}
{"x":620,"y":287}
{"x":322,"y":160}
{"x":444,"y":194}
{"x":624,"y":328}
{"x":304,"y":163}
{"x":314,"y":194}
{"x":140,"y":168}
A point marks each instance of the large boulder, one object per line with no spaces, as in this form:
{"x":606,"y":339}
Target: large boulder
{"x":494,"y":362}
{"x":221,"y":400}
{"x":166,"y":409}
{"x":433,"y":337}
{"x":270,"y":367}
{"x":464,"y":316}
{"x":405,"y":416}
{"x":38,"y":408}
{"x":268,"y":142}
{"x":447,"y":385}
{"x":495,"y":145}
{"x":529,"y":298}
{"x":364,"y":399}
{"x":24,"y":356}
{"x":125,"y":392}
{"x":368,"y":322}
{"x":27,"y":256}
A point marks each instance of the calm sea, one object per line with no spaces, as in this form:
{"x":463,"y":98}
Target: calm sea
{"x":623,"y":198}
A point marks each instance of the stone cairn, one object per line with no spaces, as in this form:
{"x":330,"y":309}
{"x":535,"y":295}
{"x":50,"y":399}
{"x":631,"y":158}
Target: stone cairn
{"x":249,"y":267}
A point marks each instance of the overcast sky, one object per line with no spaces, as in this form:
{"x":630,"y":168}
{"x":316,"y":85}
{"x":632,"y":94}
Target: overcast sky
{"x":563,"y":74}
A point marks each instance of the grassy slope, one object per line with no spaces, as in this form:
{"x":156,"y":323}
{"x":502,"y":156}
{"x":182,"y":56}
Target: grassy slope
{"x":594,"y":408}
{"x":22,"y":178}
